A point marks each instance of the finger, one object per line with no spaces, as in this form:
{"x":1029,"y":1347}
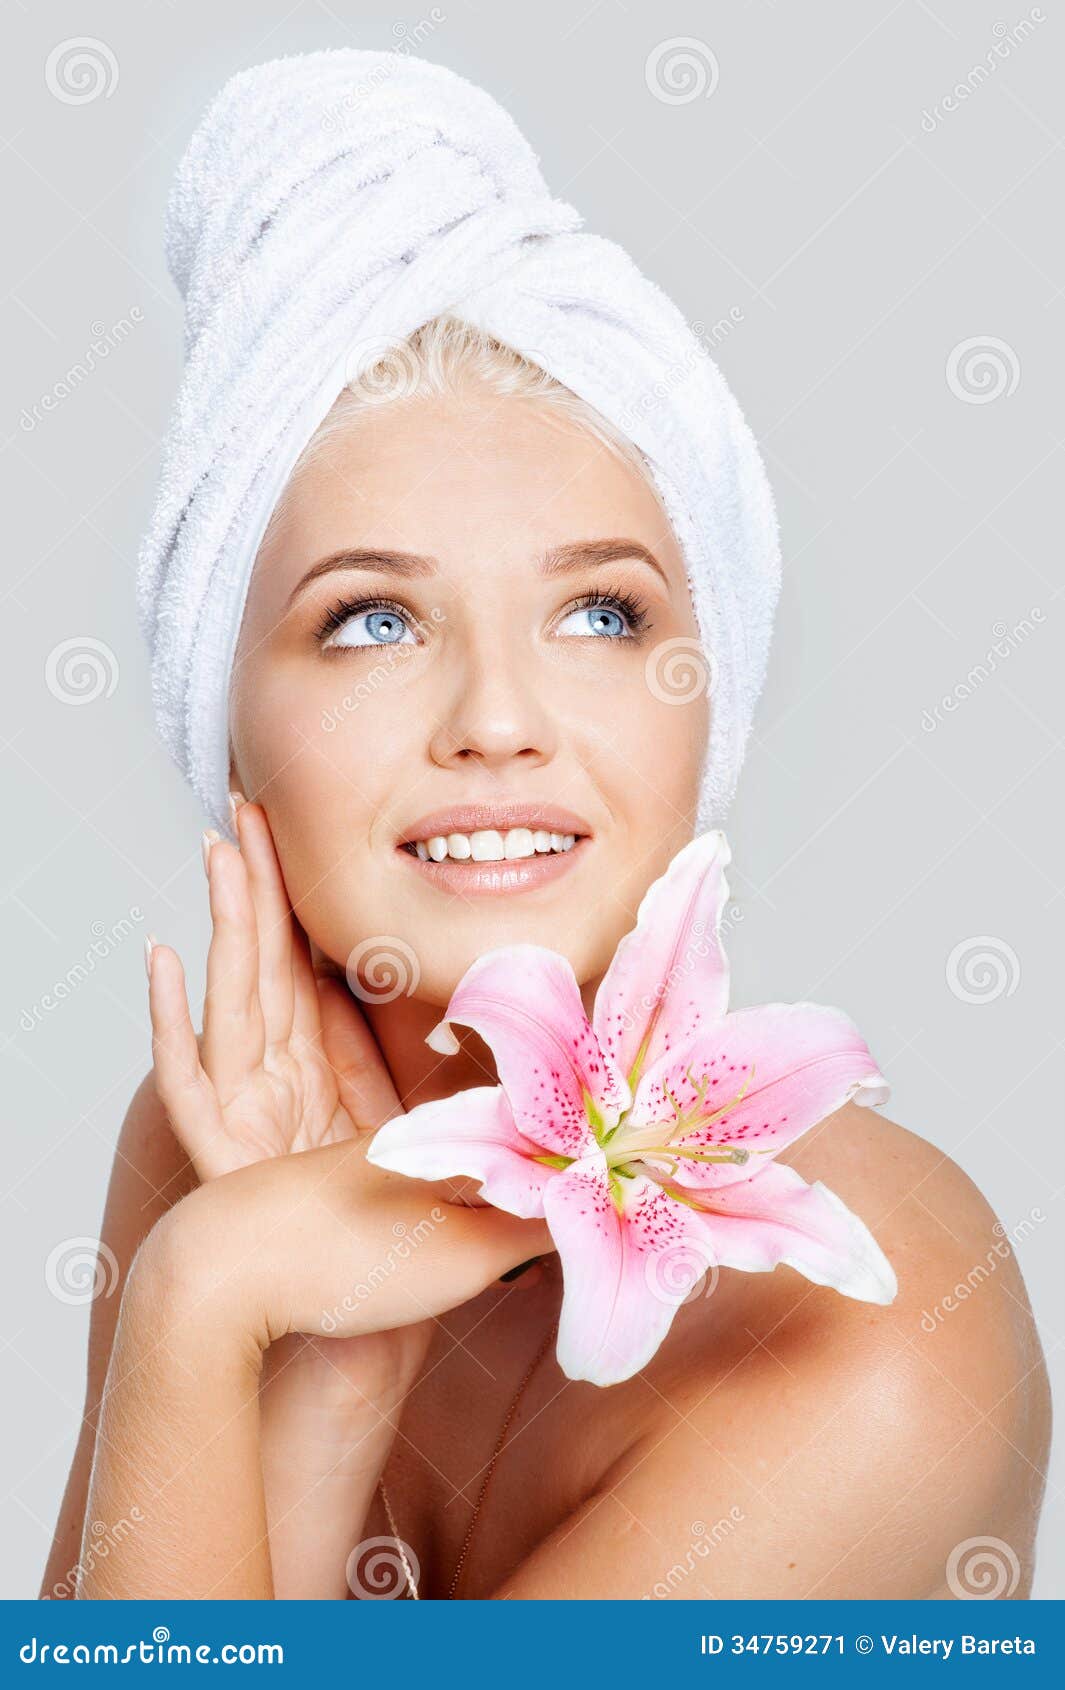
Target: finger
{"x":184,"y":1090}
{"x":233,"y":1034}
{"x":502,"y":1241}
{"x":365,"y":1085}
{"x":273,"y":920}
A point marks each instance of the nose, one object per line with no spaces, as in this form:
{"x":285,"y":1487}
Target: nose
{"x":498,"y":713}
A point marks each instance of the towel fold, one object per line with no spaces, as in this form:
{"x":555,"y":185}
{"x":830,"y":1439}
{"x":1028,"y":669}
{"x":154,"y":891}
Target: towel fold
{"x":328,"y":205}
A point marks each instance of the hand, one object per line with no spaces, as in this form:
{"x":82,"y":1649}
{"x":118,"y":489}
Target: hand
{"x":324,"y":1241}
{"x":286,"y":1061}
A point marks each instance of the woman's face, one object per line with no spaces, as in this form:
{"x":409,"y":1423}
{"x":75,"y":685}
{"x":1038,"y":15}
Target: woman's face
{"x":455,"y":633}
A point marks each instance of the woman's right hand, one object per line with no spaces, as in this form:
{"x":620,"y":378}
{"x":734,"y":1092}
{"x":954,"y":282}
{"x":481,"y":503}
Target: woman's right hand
{"x":273,"y":1106}
{"x":286,"y":1060}
{"x":287,"y":1065}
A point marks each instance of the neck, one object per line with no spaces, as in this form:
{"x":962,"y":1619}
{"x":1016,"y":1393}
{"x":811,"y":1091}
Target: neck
{"x":421,"y":1075}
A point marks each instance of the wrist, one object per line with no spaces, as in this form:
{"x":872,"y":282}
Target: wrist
{"x":192,"y":1280}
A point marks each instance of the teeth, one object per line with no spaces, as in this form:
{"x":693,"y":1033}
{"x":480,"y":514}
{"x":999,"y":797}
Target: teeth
{"x":487,"y":845}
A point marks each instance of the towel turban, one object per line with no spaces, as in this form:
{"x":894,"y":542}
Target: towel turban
{"x":329,"y":204}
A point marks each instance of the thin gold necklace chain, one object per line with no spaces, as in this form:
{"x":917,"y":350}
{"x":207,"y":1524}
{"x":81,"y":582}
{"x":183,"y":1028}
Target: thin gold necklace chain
{"x":412,"y":1584}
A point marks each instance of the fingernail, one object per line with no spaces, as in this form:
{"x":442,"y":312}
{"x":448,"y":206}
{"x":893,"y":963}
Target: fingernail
{"x":236,"y":799}
{"x":210,"y":837}
{"x":150,"y":942}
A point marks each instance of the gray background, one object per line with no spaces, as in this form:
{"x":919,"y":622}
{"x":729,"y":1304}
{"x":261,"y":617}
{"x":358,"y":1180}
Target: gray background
{"x":892,"y":856}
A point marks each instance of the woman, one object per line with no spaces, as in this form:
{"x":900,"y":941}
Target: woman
{"x":440,"y":711}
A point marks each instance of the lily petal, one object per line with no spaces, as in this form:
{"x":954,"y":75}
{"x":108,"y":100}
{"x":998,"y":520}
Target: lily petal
{"x":776,"y":1217}
{"x":669,"y":980}
{"x":794,"y":1063}
{"x":471,"y":1133}
{"x":625,"y":1274}
{"x":525,"y":1003}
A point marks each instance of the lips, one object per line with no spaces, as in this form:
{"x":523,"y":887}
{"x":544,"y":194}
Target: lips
{"x":494,"y":817}
{"x":495,"y":847}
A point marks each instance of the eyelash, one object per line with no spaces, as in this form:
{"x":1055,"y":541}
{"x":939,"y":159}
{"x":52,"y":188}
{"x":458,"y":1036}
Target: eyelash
{"x":344,"y":609}
{"x":633,"y":609}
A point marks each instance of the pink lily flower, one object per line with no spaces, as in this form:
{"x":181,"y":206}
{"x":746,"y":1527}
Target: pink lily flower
{"x":646,"y":1137}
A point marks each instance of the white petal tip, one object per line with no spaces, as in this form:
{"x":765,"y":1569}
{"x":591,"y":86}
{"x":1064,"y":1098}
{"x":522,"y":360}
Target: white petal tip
{"x":442,"y":1039}
{"x":873,"y":1092}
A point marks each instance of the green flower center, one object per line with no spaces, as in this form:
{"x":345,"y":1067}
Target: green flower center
{"x":627,"y":1147}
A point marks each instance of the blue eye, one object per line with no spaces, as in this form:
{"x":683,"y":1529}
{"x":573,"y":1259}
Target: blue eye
{"x":595,"y":619}
{"x":370,"y":627}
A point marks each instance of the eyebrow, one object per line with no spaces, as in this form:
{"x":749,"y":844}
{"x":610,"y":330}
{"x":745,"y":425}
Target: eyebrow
{"x":560,"y":560}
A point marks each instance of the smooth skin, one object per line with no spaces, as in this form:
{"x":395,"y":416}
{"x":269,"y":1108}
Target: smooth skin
{"x":275,"y":1348}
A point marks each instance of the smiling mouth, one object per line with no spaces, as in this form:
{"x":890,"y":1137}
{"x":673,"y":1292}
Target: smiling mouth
{"x":519,"y":854}
{"x":492,"y":845}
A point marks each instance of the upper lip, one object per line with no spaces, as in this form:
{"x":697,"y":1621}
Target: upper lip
{"x":500,"y":816}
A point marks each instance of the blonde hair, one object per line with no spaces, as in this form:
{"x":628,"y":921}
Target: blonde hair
{"x":445,"y":358}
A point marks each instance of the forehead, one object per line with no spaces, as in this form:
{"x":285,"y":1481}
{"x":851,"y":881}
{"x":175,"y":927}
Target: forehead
{"x":471,"y":480}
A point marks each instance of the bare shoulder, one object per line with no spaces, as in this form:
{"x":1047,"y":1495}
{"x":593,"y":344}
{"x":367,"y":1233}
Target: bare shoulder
{"x":882,"y":1451}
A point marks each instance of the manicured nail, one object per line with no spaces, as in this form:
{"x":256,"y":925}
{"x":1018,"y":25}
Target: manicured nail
{"x":236,"y":799}
{"x":210,"y":837}
{"x":150,"y":942}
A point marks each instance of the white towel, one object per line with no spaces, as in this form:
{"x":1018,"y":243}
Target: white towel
{"x":329,"y":204}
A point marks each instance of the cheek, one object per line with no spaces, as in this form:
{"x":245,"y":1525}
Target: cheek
{"x":645,"y":747}
{"x":324,"y":753}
